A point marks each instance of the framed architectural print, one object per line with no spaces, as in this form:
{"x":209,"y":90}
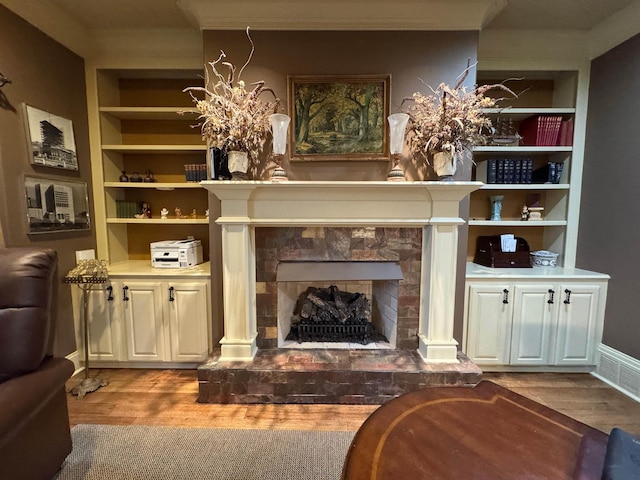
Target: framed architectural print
{"x":50,"y":139}
{"x":339,"y":117}
{"x":56,"y":205}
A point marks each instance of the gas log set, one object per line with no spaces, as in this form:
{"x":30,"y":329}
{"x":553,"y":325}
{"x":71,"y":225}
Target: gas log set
{"x":332,"y":315}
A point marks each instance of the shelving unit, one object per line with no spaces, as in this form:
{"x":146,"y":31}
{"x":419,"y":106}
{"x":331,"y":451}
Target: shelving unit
{"x":548,"y":93}
{"x":148,"y":124}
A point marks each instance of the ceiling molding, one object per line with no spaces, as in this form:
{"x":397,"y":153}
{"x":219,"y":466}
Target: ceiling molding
{"x":51,"y":20}
{"x":341,"y":14}
{"x":618,"y":28}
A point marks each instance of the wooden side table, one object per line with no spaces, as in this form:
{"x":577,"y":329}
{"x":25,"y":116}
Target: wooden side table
{"x":484,"y":432}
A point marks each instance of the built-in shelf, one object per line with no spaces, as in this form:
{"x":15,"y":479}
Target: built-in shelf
{"x":524,"y":150}
{"x":154,"y":185}
{"x":518,"y":114}
{"x":525,"y":186}
{"x":150,"y":113}
{"x":518,"y":223}
{"x":158,"y":220}
{"x":155,"y":148}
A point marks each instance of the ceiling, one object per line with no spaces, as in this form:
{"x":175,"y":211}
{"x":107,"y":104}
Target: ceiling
{"x":503,"y":14}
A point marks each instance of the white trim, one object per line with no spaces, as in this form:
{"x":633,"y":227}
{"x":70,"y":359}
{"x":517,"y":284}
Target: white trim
{"x":619,"y":370}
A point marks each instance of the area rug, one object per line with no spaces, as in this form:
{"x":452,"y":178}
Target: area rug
{"x":162,"y":453}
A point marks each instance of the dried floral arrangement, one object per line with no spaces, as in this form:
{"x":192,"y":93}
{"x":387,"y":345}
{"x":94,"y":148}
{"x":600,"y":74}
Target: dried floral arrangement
{"x":232,"y":117}
{"x":450,"y":119}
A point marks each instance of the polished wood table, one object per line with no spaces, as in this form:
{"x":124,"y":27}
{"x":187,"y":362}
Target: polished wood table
{"x":482,"y":432}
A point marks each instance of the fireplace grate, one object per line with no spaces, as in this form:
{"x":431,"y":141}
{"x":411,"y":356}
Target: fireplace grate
{"x":334,"y":332}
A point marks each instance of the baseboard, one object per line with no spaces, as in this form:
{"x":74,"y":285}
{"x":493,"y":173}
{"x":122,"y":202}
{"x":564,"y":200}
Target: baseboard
{"x":619,"y":370}
{"x":75,"y":358}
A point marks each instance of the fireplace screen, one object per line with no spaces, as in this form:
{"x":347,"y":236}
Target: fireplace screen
{"x":332,"y":315}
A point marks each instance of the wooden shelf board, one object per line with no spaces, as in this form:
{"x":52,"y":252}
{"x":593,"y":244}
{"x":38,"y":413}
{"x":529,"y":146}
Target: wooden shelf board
{"x":518,"y":223}
{"x":525,"y":186}
{"x":151,"y":113}
{"x":155,"y":148}
{"x":151,"y":221}
{"x":156,"y":185}
{"x":528,"y":150}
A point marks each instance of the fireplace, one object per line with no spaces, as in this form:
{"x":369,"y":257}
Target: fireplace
{"x":376,"y":282}
{"x":430,"y":207}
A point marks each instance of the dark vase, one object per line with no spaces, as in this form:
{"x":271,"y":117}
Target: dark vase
{"x":123,"y":177}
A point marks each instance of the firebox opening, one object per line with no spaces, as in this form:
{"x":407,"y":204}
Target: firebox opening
{"x":366,"y":314}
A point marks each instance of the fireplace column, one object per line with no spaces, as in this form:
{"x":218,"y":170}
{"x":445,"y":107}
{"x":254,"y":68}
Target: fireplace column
{"x":239,"y":276}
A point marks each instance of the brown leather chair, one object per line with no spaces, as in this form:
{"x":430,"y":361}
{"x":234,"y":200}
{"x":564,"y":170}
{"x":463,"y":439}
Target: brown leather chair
{"x":34,"y":420}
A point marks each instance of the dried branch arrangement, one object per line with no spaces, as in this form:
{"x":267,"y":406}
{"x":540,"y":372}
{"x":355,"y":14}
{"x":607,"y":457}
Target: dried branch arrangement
{"x":231,"y":117}
{"x":450,"y":119}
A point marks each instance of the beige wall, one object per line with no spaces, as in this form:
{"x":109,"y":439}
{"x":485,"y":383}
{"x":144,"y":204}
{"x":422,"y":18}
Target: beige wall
{"x":411,"y":58}
{"x":47,"y":76}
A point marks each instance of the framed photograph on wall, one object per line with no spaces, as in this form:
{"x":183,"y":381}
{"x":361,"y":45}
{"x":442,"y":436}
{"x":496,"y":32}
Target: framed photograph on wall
{"x":50,"y":139}
{"x":56,"y":205}
{"x":339,"y":117}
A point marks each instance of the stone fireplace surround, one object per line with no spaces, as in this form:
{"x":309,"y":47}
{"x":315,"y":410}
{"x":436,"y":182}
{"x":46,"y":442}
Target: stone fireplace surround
{"x":419,"y":218}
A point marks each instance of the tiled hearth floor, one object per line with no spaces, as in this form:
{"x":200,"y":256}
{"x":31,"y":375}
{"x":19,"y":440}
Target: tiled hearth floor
{"x":327,"y":376}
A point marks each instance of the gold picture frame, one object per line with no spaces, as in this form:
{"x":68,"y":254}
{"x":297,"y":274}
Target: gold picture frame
{"x":339,"y":117}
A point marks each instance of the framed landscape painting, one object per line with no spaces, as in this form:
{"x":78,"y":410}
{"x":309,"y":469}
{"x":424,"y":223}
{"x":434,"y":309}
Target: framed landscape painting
{"x":50,"y":139}
{"x":339,"y":117}
{"x":56,"y":205}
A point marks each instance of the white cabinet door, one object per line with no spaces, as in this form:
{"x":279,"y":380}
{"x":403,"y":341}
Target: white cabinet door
{"x":105,"y":339}
{"x":188,"y":307}
{"x":143,"y":320}
{"x":533,"y":320}
{"x":577,"y":324}
{"x":489,"y":323}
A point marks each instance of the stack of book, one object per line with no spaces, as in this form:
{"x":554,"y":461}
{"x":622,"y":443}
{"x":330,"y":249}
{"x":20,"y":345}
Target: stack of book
{"x":505,"y":170}
{"x":195,"y":172}
{"x":125,"y":209}
{"x":541,"y":130}
{"x":550,"y":173}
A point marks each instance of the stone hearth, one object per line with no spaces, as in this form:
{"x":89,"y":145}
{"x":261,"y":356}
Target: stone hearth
{"x":327,"y":376}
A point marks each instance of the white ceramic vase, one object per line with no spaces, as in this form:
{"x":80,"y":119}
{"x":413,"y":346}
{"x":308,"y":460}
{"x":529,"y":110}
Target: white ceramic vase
{"x":444,"y":164}
{"x":238,"y":164}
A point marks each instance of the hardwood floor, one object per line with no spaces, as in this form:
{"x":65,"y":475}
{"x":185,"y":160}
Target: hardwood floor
{"x":168,"y":397}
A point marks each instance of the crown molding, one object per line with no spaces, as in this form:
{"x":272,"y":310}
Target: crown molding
{"x":616,"y":29}
{"x":341,"y":14}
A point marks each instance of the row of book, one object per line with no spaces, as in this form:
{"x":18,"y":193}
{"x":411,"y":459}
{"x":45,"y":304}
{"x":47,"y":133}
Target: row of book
{"x":126,"y":209}
{"x":517,"y":171}
{"x":195,"y":172}
{"x":546,"y":131}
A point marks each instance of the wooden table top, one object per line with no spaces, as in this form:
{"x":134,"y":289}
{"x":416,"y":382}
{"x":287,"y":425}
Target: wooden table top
{"x":484,"y":432}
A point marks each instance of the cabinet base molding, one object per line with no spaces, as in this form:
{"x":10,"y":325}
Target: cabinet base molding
{"x":149,"y":365}
{"x":537,"y":368}
{"x":619,"y":370}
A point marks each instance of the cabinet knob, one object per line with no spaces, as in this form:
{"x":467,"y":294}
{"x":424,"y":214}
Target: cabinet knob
{"x":171,"y":296}
{"x":125,"y":290}
{"x":551,"y":295}
{"x":109,"y":290}
{"x":506,"y":295}
{"x":567,"y":300}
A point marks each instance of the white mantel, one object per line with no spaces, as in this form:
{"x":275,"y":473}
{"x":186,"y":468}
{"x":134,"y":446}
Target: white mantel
{"x":434,"y":206}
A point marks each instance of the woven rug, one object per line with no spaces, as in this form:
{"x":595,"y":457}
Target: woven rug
{"x":160,"y":453}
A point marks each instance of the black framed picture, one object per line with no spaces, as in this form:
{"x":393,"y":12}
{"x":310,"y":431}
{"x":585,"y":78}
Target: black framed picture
{"x":56,"y":205}
{"x":50,"y":139}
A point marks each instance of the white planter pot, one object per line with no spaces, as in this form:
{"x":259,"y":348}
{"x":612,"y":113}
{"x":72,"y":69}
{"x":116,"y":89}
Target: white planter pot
{"x":444,"y":164}
{"x":238,"y":164}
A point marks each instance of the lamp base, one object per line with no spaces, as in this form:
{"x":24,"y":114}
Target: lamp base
{"x":396,"y":174}
{"x":279,"y":175}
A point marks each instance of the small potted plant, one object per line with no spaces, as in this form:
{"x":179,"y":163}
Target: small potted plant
{"x":448,"y":121}
{"x":232,"y":118}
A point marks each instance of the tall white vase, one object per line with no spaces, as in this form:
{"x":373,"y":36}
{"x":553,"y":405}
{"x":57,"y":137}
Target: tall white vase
{"x":444,"y":164}
{"x":238,"y":164}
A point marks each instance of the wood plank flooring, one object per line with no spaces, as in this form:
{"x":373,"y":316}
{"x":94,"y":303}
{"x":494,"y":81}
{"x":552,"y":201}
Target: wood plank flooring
{"x":168,"y":397}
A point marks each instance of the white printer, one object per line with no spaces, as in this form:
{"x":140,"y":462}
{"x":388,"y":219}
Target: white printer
{"x":176,"y":253}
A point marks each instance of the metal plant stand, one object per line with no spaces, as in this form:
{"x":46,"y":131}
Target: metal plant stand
{"x":88,"y":275}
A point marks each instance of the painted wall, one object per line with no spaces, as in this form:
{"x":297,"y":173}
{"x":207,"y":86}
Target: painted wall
{"x":609,"y":232}
{"x":412,"y":58}
{"x":47,"y":76}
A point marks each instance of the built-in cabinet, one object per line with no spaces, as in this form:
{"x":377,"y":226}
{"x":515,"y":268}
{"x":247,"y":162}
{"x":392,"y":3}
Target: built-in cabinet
{"x":152,"y":319}
{"x":144,"y":127}
{"x":522,"y":317}
{"x":533,"y":318}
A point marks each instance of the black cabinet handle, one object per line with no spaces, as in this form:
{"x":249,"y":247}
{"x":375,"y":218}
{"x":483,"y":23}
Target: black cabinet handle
{"x":506,"y":295}
{"x":171,"y":296}
{"x":125,"y":290}
{"x":109,"y":290}
{"x":551,"y":295}
{"x":567,"y":300}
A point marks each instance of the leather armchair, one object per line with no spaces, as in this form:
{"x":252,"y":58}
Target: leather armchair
{"x":34,"y":420}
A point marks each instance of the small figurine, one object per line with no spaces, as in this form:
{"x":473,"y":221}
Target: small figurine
{"x":206,"y":213}
{"x":163,"y":213}
{"x":135,"y":177}
{"x":524,"y":215}
{"x":178,"y":213}
{"x":194,"y":213}
{"x":149,"y":177}
{"x":145,"y":212}
{"x":123,"y":177}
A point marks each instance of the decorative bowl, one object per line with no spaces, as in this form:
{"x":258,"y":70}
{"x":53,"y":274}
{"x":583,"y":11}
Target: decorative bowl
{"x":543,"y":258}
